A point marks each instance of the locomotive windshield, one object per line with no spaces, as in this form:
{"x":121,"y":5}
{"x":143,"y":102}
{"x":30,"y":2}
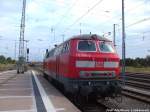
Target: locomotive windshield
{"x":106,"y":47}
{"x":86,"y":45}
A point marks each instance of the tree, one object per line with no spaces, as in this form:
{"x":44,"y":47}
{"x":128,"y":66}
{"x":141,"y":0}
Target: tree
{"x":148,"y":60}
{"x":9,"y":60}
{"x":2,"y":59}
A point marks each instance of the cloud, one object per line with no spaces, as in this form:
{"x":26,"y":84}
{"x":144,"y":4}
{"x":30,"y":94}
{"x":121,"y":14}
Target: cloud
{"x":42,"y":15}
{"x":9,"y":7}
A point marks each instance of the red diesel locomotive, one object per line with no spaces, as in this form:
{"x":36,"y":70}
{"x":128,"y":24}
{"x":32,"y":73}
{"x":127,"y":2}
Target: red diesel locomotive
{"x":85,"y":64}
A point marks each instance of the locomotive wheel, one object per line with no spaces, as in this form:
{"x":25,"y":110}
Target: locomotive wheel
{"x":92,"y":97}
{"x":80,"y":100}
{"x":64,"y":91}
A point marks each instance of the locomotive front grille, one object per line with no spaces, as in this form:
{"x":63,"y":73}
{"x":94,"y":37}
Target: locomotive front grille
{"x":97,"y":74}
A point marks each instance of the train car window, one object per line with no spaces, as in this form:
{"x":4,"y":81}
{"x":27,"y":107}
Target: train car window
{"x":65,"y":48}
{"x":51,"y":53}
{"x":86,"y":45}
{"x":47,"y":55}
{"x":55,"y":52}
{"x":106,"y":47}
{"x":58,"y":50}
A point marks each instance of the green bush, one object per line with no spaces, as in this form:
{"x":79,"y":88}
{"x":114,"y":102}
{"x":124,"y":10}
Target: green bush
{"x":138,"y":62}
{"x":4,"y":60}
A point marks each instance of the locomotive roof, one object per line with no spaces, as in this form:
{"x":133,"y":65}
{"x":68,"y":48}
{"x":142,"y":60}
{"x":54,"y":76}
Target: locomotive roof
{"x":86,"y":37}
{"x":89,"y":36}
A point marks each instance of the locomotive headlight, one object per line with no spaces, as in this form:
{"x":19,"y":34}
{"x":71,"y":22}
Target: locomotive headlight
{"x":111,"y":64}
{"x":87,"y":64}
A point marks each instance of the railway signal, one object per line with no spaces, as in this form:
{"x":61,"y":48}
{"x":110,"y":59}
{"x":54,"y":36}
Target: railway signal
{"x":27,"y":54}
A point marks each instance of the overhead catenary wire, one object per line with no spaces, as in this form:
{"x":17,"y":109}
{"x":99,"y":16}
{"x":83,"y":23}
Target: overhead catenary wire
{"x":132,"y":8}
{"x":78,"y":19}
{"x":127,"y":12}
{"x":136,"y":38}
{"x":137,"y":22}
{"x":64,"y":15}
{"x":88,"y":12}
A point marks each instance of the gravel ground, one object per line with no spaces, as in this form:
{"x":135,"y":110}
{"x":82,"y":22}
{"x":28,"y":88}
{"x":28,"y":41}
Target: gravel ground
{"x":128,"y":104}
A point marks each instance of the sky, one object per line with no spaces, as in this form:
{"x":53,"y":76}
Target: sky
{"x":48,"y":20}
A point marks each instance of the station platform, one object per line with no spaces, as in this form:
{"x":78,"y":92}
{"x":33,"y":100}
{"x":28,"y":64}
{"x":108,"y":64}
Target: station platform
{"x":30,"y":92}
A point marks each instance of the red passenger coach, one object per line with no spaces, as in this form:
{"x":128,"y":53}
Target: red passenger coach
{"x":85,"y":64}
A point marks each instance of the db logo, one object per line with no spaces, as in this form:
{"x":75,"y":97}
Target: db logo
{"x":99,"y":64}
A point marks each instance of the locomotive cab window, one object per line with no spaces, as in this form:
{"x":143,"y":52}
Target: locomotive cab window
{"x":106,"y":47}
{"x":86,"y":45}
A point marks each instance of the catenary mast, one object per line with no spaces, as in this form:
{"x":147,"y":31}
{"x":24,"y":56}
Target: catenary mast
{"x":21,"y":57}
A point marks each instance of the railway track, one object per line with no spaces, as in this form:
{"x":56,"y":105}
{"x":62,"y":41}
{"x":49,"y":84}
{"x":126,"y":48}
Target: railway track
{"x":139,"y":74}
{"x":136,"y":94}
{"x":140,"y":85}
{"x":139,"y":77}
{"x":137,"y":86}
{"x":91,"y":107}
{"x":138,"y":80}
